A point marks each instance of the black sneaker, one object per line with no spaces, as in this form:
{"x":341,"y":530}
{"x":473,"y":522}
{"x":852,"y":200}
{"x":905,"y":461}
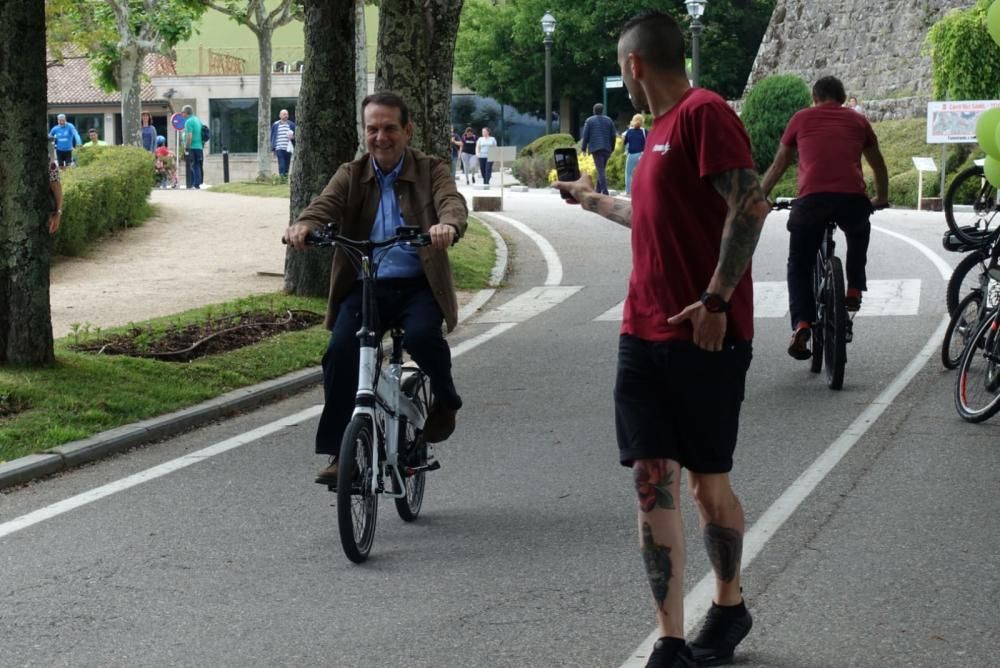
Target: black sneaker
{"x":852,"y":304}
{"x":721,"y":633}
{"x":667,"y":654}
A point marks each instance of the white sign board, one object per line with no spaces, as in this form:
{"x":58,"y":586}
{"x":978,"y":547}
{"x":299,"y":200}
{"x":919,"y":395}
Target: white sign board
{"x":613,"y":82}
{"x":955,"y":122}
{"x":925,"y":164}
{"x":501,"y":153}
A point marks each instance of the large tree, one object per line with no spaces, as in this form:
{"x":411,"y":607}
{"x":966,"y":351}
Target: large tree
{"x":500,"y":51}
{"x":117,"y":35}
{"x":262,"y":23}
{"x":25,"y":245}
{"x":327,"y":133}
{"x":416,"y":48}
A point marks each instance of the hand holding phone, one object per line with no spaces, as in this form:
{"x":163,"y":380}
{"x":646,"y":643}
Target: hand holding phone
{"x":567,"y":168}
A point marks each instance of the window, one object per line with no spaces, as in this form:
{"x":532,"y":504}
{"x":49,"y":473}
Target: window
{"x":234,"y":125}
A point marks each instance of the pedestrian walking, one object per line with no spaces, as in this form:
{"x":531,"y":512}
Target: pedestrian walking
{"x":66,"y":137}
{"x":635,"y":141}
{"x":483,"y":145}
{"x":194,"y":153}
{"x":469,"y":142}
{"x":696,"y":214}
{"x":599,"y":138}
{"x":282,"y":142}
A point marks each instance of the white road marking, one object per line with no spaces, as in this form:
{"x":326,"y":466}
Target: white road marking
{"x":893,"y":297}
{"x":555,"y":271}
{"x":528,"y":304}
{"x":699,"y":599}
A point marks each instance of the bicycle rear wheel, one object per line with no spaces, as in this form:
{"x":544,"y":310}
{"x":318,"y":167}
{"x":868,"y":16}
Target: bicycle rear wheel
{"x":960,"y":329}
{"x":413,"y":449}
{"x":835,"y":326}
{"x":819,"y":292}
{"x":977,"y":389}
{"x":970,"y":206}
{"x":965,"y":279}
{"x":357,"y":501}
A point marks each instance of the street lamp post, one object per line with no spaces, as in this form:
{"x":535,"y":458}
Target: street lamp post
{"x":548,"y":27}
{"x":695,"y":9}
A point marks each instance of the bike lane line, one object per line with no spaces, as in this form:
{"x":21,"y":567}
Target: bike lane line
{"x":85,"y":498}
{"x":699,"y":599}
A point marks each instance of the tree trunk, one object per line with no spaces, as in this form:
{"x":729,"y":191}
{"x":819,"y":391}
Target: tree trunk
{"x":130,"y":82}
{"x":264,"y":34}
{"x":326,"y":133}
{"x":416,"y":55}
{"x":361,"y":68}
{"x":25,"y":245}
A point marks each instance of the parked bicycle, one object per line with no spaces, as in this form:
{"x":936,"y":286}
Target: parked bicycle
{"x":977,"y":388}
{"x":383,"y":452}
{"x":975,"y":307}
{"x":971,"y":208}
{"x":834,"y":325}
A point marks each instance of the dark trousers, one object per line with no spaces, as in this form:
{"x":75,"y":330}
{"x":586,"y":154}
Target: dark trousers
{"x":601,"y":163}
{"x":284,"y":160}
{"x":195,"y":158}
{"x":486,"y":169}
{"x":407,"y":302}
{"x":807,"y":227}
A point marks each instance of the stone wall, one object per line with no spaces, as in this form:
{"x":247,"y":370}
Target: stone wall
{"x":875,"y":48}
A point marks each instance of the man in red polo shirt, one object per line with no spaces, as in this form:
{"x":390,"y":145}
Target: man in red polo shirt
{"x":830,"y":140}
{"x":696,"y":214}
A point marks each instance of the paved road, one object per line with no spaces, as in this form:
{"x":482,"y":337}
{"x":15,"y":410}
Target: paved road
{"x":525,"y":553}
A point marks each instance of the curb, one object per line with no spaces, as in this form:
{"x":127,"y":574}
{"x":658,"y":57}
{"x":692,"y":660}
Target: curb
{"x":67,"y":456}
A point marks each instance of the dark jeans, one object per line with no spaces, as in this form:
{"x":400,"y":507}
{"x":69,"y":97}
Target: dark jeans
{"x":601,"y":162}
{"x":64,"y":158}
{"x":807,"y":226}
{"x":486,"y":169}
{"x":411,"y":304}
{"x":284,"y":160}
{"x":195,"y":158}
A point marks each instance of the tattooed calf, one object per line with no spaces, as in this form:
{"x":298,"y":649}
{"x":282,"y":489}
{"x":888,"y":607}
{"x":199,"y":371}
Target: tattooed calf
{"x":725,"y":549}
{"x":659,"y":568}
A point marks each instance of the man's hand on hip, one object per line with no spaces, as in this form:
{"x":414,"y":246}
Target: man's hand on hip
{"x":709,"y":328}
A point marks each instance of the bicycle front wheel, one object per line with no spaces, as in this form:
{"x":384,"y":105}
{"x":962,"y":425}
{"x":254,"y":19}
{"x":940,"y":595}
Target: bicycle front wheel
{"x":960,"y":330}
{"x":819,"y":293}
{"x":977,"y":389}
{"x":965,"y":279}
{"x":835,"y":326}
{"x":413,"y":449}
{"x":357,"y":500}
{"x":970,"y":206}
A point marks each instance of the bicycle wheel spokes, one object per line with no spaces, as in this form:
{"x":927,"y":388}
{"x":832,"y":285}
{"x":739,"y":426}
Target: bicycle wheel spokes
{"x":970,"y":206}
{"x":977,"y":389}
{"x":960,"y":330}
{"x":413,"y":449}
{"x":819,"y":290}
{"x":357,"y":500}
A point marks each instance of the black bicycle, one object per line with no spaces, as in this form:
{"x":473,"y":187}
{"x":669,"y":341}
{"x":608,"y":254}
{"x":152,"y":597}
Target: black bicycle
{"x":383,"y":451}
{"x":834,"y":325}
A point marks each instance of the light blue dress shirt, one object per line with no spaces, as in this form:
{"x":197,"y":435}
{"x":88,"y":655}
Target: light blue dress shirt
{"x":400,"y":260}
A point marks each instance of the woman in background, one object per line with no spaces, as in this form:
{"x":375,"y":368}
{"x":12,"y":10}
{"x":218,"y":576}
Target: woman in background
{"x":635,"y":142}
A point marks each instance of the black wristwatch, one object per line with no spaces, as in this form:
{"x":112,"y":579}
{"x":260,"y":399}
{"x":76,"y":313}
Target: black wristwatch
{"x":714,"y":303}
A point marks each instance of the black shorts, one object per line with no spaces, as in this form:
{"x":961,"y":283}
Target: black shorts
{"x":64,"y":158}
{"x":676,"y":401}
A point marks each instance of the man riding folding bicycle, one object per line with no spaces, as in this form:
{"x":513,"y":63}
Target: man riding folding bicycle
{"x":830,"y":140}
{"x":390,"y":186}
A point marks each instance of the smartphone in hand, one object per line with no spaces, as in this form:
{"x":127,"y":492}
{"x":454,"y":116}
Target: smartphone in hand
{"x":567,"y":168}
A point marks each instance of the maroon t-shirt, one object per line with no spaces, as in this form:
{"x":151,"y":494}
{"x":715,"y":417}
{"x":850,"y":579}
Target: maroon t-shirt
{"x":830,"y":139}
{"x":677,"y":217}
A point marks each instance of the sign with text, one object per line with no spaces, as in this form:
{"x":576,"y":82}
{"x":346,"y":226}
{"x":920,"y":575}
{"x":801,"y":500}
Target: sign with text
{"x":925,"y":164}
{"x":955,"y":122}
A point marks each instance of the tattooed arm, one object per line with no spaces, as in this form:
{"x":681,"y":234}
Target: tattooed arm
{"x":744,"y":220}
{"x":582,"y":192}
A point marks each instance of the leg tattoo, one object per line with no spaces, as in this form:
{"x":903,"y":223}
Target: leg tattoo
{"x":658,"y":567}
{"x":653,"y":480}
{"x":725,"y":549}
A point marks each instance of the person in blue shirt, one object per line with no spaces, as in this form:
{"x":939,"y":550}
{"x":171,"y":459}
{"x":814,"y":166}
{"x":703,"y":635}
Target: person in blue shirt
{"x":66,"y":138}
{"x":635,"y":142}
{"x":599,"y":137}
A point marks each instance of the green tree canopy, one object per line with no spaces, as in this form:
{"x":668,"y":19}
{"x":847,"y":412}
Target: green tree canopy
{"x":499,"y":52}
{"x":965,"y":60}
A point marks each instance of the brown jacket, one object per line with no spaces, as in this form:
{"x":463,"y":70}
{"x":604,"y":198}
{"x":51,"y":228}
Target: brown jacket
{"x":427,"y":195}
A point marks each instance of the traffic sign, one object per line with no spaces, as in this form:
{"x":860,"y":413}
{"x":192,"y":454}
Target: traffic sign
{"x":177,"y":121}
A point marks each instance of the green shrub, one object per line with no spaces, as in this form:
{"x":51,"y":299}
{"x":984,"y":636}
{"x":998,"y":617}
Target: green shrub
{"x":107,"y":191}
{"x":616,"y":167}
{"x":766,"y":111}
{"x":532,"y":170}
{"x":544,"y":145}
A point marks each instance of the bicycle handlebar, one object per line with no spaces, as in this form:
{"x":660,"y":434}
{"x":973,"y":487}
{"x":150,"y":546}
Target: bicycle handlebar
{"x":786,"y":203}
{"x":406,"y":234}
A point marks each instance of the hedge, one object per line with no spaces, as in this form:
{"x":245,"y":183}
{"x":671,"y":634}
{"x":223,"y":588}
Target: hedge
{"x":107,"y":191}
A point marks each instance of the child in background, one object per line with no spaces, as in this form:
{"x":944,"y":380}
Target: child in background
{"x":165,"y":171}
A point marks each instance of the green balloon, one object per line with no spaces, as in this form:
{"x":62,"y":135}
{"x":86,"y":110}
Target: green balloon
{"x":993,"y":21}
{"x":992,"y":168}
{"x":986,"y":131}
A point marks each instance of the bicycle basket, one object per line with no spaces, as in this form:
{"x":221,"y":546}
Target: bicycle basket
{"x":953,"y":244}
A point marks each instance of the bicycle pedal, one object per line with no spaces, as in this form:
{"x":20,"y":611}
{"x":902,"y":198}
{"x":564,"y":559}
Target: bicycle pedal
{"x":430,"y":466}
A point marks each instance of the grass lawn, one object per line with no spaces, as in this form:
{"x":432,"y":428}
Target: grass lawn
{"x":83,"y":394}
{"x":253,"y":188}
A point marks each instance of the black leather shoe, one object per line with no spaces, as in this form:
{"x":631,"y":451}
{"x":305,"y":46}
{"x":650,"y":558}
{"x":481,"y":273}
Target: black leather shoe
{"x":328,"y":476}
